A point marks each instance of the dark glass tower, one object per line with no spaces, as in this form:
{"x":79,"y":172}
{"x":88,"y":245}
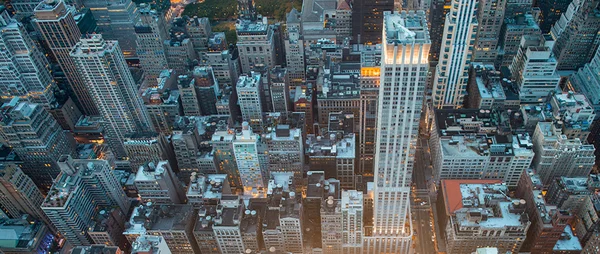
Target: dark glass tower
{"x":367,"y":20}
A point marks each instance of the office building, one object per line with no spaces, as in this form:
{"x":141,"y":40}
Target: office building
{"x":36,"y":138}
{"x":173,"y":223}
{"x":96,"y":249}
{"x":225,"y":65}
{"x":294,"y":50}
{"x":116,"y":21}
{"x":207,"y":191}
{"x":55,"y":17}
{"x":255,"y":44}
{"x":102,"y":65}
{"x":282,"y":223}
{"x":568,"y":193}
{"x":352,"y":206}
{"x":340,"y":92}
{"x":144,"y":147}
{"x":27,"y":74}
{"x":199,"y":30}
{"x":222,"y":141}
{"x":547,"y":221}
{"x":486,"y":90}
{"x":227,"y":228}
{"x":551,"y":10}
{"x":246,"y":150}
{"x":534,"y":69}
{"x":107,"y":226}
{"x":285,"y":151}
{"x":576,"y":34}
{"x":458,"y":42}
{"x":207,"y":89}
{"x":162,"y":102}
{"x":406,"y":34}
{"x":19,"y":195}
{"x":180,"y":52}
{"x":465,"y":144}
{"x":73,"y":200}
{"x":156,"y":182}
{"x":479,"y":213}
{"x":248,"y":93}
{"x":280,"y":90}
{"x":318,"y":190}
{"x":587,"y":222}
{"x":513,"y":30}
{"x":150,"y":33}
{"x":203,"y":230}
{"x":576,"y":113}
{"x":490,"y":17}
{"x":336,"y":156}
{"x":331,"y":225}
{"x":557,"y":155}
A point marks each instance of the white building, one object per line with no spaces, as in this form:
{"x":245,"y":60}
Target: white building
{"x":25,"y":68}
{"x":255,"y":44}
{"x":246,"y":150}
{"x":149,"y":244}
{"x":352,"y":222}
{"x":248,"y":91}
{"x":534,"y":69}
{"x":158,"y":184}
{"x":55,"y":17}
{"x":557,"y":155}
{"x":404,"y":68}
{"x":226,"y":226}
{"x":452,"y":73}
{"x":576,"y":113}
{"x":113,"y":90}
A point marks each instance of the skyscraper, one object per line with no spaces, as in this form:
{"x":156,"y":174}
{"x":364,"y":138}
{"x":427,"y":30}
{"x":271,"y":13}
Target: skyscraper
{"x":36,"y":137}
{"x":25,"y":70}
{"x":56,"y":24}
{"x":576,"y":34}
{"x":248,"y":92}
{"x":112,"y":87}
{"x":489,"y":17}
{"x":245,"y":148}
{"x":151,"y":32}
{"x":18,"y":194}
{"x":404,"y":68}
{"x":452,"y":73}
{"x":255,"y":43}
{"x":116,"y":20}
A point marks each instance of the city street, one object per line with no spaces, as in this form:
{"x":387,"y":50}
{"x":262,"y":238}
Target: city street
{"x":422,"y":216}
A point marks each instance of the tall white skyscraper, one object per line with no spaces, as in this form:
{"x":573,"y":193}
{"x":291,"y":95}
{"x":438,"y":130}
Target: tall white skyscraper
{"x":106,"y":75}
{"x":23,"y":67}
{"x":404,"y":68}
{"x":452,"y":73}
{"x":246,"y":150}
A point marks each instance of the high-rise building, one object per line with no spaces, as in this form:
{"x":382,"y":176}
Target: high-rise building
{"x":27,"y":74}
{"x":180,"y":52}
{"x":404,"y":68}
{"x":294,"y":50}
{"x":199,"y":30}
{"x":73,"y":200}
{"x":550,"y":12}
{"x":557,"y":155}
{"x":149,"y":244}
{"x":56,"y":23}
{"x":470,"y":222}
{"x":576,"y":34}
{"x":162,"y":102}
{"x":144,"y":147}
{"x":336,"y":156}
{"x":97,"y":248}
{"x":282,"y":229}
{"x":547,"y":222}
{"x":225,"y":65}
{"x":226,"y":226}
{"x":490,"y":16}
{"x":36,"y":138}
{"x":458,"y":42}
{"x":576,"y":113}
{"x":534,"y":69}
{"x":286,"y":152}
{"x":19,"y":195}
{"x":367,"y":20}
{"x":151,"y":32}
{"x":248,"y":93}
{"x":222,"y":141}
{"x":207,"y":87}
{"x":255,"y":44}
{"x":246,"y":151}
{"x":113,"y":89}
{"x":437,"y":19}
{"x":352,"y":221}
{"x":156,"y":182}
{"x":280,"y":90}
{"x":331,"y":225}
{"x":513,"y":30}
{"x":27,"y":230}
{"x":173,"y":223}
{"x":116,"y":21}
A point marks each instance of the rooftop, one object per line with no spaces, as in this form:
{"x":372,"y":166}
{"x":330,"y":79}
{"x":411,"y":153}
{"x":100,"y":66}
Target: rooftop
{"x":152,"y":217}
{"x":406,"y":27}
{"x":249,"y":81}
{"x":207,"y":187}
{"x":567,"y":242}
{"x":337,"y":145}
{"x":96,"y":249}
{"x":152,"y":171}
